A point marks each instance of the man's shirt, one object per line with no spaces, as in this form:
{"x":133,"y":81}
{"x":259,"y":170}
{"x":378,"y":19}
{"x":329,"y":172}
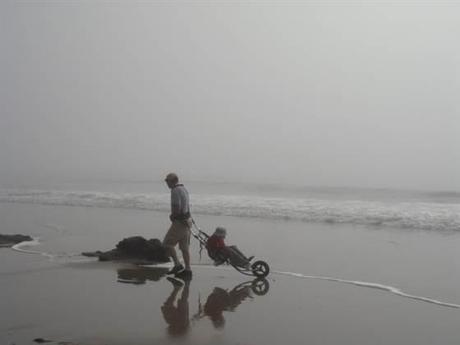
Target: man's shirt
{"x":179,"y":200}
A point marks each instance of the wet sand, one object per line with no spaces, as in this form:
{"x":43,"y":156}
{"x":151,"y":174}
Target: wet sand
{"x":313,"y":296}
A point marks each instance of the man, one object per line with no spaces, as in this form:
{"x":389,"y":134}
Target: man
{"x":179,"y":232}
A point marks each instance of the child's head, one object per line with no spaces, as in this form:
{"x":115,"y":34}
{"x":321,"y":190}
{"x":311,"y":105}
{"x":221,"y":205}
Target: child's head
{"x":220,"y":232}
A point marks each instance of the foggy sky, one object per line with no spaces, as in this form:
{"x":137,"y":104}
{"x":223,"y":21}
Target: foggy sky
{"x":333,"y":94}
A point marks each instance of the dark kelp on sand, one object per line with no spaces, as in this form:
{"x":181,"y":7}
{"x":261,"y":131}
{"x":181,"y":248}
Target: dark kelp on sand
{"x":11,"y":240}
{"x":134,"y":249}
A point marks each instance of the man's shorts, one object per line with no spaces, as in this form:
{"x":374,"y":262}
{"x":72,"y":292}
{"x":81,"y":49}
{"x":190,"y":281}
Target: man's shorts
{"x":179,"y":232}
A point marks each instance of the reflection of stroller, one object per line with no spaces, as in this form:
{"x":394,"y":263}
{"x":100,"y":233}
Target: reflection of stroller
{"x":243,"y":264}
{"x":223,"y":300}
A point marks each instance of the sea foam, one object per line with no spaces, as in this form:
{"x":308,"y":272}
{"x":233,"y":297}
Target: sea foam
{"x":388,"y":288}
{"x":397,"y":214}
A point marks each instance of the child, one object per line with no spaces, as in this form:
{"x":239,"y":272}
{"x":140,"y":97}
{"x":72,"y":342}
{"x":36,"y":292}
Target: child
{"x":219,"y":252}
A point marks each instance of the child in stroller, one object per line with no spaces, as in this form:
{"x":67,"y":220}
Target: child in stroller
{"x":220,"y":253}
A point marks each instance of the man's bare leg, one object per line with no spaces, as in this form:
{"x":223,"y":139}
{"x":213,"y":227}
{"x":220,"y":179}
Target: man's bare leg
{"x":172,"y":253}
{"x":186,"y":256}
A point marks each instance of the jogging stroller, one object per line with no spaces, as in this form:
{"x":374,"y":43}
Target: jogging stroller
{"x":259,"y":268}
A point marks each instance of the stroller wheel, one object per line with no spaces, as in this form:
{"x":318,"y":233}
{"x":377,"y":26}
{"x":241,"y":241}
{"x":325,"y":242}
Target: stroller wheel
{"x":260,"y":269}
{"x":260,"y":286}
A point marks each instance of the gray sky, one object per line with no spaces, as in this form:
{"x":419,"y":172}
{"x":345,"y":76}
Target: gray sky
{"x":334,"y":94}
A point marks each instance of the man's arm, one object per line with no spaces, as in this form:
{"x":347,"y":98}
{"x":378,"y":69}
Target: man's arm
{"x":175,"y":205}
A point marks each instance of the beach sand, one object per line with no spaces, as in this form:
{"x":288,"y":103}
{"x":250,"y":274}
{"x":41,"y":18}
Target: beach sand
{"x":322,"y":289}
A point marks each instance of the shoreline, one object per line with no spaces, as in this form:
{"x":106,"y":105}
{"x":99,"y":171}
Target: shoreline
{"x":323,"y":286}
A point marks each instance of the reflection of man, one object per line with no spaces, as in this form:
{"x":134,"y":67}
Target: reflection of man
{"x":177,"y":317}
{"x":179,"y":232}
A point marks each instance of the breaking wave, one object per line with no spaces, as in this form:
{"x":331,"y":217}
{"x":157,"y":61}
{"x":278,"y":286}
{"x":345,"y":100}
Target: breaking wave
{"x":397,"y":214}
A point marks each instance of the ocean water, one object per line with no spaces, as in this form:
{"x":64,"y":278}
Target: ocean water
{"x":331,"y":281}
{"x":409,"y":210}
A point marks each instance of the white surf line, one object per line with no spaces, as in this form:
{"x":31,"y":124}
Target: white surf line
{"x":35,"y":242}
{"x":370,"y":285}
{"x":388,"y":288}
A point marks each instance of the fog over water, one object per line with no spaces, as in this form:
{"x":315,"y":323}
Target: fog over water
{"x":334,"y":94}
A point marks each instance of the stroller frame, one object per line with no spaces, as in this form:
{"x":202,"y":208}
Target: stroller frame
{"x":259,"y":268}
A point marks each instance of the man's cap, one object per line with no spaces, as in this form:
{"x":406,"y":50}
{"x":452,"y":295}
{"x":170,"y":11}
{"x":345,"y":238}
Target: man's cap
{"x":172,"y":177}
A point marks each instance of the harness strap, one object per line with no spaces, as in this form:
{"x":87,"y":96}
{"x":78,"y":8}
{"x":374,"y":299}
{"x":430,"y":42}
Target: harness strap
{"x":201,"y":249}
{"x":198,"y":237}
